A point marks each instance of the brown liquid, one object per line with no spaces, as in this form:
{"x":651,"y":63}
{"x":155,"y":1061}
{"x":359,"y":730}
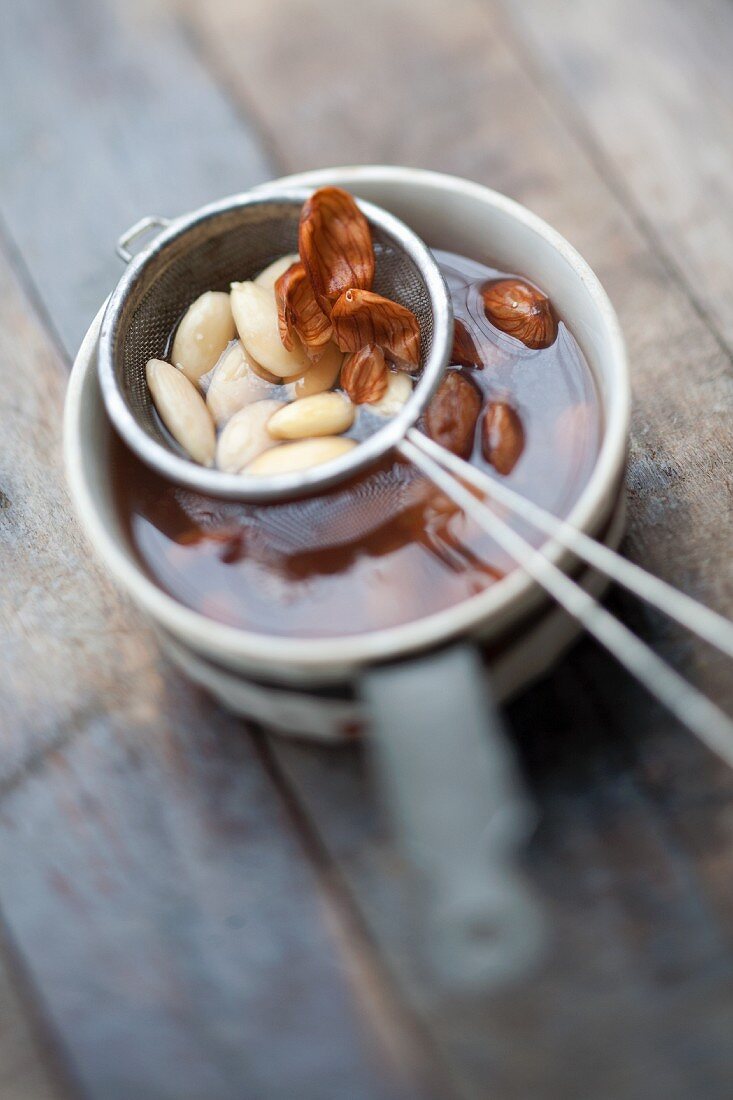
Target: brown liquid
{"x":385,"y":548}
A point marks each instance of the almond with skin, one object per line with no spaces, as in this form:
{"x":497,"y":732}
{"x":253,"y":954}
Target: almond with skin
{"x":335,"y":245}
{"x":364,"y":375}
{"x":451,"y":416}
{"x":521,"y":310}
{"x":502,"y":436}
{"x":182,"y":409}
{"x":464,"y":352}
{"x":298,"y":313}
{"x":360,"y":317}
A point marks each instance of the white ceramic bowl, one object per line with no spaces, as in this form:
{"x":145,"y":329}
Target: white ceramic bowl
{"x":513,"y":614}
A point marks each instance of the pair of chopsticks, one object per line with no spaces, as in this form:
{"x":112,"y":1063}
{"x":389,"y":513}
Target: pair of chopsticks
{"x":689,"y":705}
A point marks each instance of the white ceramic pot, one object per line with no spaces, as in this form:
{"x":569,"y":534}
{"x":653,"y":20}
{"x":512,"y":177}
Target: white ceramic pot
{"x":448,"y":213}
{"x":445,"y":766}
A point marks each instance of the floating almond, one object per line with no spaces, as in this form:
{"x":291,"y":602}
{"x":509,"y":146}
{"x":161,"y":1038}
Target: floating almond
{"x":235,"y":383}
{"x":289,"y":457}
{"x":464,"y":352}
{"x":246,"y":436}
{"x":502,"y":436}
{"x":320,"y":414}
{"x":203,"y":333}
{"x":399,"y":390}
{"x":255,"y":314}
{"x":451,"y":416}
{"x":319,"y":377}
{"x":335,"y":245}
{"x":182,"y":410}
{"x":360,"y":317}
{"x":521,"y":310}
{"x":269,"y":275}
{"x":364,"y":375}
{"x":299,"y":314}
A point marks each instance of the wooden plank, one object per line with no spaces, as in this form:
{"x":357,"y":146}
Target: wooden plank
{"x":641,"y":959}
{"x":25,"y":1073}
{"x":150,"y":881}
{"x":109,"y":116}
{"x":650,"y":86}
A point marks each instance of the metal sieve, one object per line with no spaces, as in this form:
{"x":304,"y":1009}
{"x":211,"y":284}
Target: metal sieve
{"x":233,"y":240}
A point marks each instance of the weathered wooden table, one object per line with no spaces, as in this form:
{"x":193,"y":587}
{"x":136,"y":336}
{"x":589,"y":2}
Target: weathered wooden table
{"x":190,"y":909}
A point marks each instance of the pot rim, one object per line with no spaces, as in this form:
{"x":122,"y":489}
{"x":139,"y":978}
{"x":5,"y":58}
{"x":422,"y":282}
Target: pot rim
{"x":513,"y":595}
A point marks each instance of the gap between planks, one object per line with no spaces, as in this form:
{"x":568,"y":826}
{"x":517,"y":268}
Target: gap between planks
{"x":517,"y":28}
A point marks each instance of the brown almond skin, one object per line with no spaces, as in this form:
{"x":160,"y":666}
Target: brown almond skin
{"x":521,"y":310}
{"x":464,"y":352}
{"x":298,"y":312}
{"x":502,"y":436}
{"x":360,"y":317}
{"x":335,"y":245}
{"x":451,"y":416}
{"x":364,"y":375}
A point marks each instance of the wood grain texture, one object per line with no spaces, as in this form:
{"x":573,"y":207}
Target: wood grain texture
{"x":109,"y":116}
{"x":25,"y":1073}
{"x":651,"y":85}
{"x":150,"y":881}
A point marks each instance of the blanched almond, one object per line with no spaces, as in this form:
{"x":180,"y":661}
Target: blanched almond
{"x":234,"y":384}
{"x":255,"y":313}
{"x":269,"y":275}
{"x":321,"y":414}
{"x":321,"y":376}
{"x":246,"y":436}
{"x":203,"y":333}
{"x":399,"y":389}
{"x":182,"y":409}
{"x":289,"y":457}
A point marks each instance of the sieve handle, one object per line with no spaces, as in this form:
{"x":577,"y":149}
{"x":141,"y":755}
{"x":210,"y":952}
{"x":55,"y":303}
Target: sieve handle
{"x":446,"y":772}
{"x":137,"y":230}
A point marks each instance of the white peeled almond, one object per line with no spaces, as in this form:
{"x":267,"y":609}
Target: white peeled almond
{"x":321,"y":414}
{"x":255,"y":314}
{"x":399,"y":389}
{"x":270,"y":275}
{"x":321,"y":376}
{"x":234,"y":384}
{"x":183,"y":410}
{"x":290,"y":457}
{"x":246,"y":436}
{"x":204,"y":331}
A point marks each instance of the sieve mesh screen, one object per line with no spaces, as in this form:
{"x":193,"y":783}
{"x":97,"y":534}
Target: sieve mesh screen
{"x":231,"y":245}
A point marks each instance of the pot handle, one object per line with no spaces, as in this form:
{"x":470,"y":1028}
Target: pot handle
{"x":135,"y":231}
{"x":446,"y":771}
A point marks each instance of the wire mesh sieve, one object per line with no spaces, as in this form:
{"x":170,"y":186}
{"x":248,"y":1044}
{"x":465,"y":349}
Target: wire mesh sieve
{"x":233,"y":241}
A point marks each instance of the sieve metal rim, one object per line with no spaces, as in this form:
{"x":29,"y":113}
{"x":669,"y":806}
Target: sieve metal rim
{"x":213,"y":482}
